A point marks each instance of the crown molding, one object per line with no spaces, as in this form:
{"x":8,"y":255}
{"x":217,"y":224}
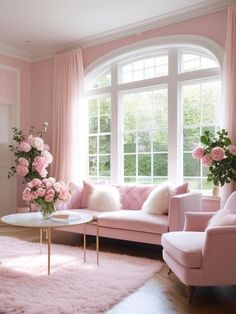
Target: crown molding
{"x":137,"y":29}
{"x":14,"y":52}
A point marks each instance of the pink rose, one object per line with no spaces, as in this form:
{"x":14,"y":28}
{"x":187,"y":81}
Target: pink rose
{"x":22,"y":171}
{"x":29,"y":185}
{"x":57,"y":186}
{"x":49,"y":198}
{"x":232,"y":150}
{"x":198,"y":153}
{"x":43,"y":173}
{"x":64,"y":193}
{"x":47,"y":183}
{"x":23,"y":162}
{"x":51,"y":180}
{"x":41,"y":192}
{"x":34,"y":195}
{"x":217,"y":153}
{"x":37,"y":142}
{"x":26,"y":194}
{"x":206,"y":161}
{"x":51,"y":191}
{"x":47,"y":155}
{"x":36,"y":182}
{"x":39,"y":163}
{"x":24,"y":147}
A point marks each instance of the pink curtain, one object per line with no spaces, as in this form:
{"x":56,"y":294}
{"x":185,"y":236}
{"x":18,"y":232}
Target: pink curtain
{"x":67,"y":102}
{"x":229,"y":88}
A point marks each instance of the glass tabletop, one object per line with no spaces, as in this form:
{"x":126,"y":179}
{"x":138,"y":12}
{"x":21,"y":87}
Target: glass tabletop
{"x":35,"y":219}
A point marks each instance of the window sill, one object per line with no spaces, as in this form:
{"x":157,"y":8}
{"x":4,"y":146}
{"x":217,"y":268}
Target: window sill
{"x":210,"y":197}
{"x":207,"y":195}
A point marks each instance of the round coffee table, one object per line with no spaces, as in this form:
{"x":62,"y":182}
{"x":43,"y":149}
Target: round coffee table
{"x":35,"y":220}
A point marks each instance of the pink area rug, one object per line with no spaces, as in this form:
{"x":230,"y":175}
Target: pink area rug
{"x":73,"y":286}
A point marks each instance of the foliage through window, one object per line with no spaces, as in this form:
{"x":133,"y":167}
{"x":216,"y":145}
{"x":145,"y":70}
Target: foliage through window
{"x":99,"y":110}
{"x":145,"y":136}
{"x":200,"y":102}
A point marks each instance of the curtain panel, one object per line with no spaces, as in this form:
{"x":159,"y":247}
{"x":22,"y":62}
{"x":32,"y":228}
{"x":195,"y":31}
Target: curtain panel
{"x":67,"y":138}
{"x":229,"y":88}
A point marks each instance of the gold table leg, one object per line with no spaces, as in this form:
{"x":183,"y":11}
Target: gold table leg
{"x":97,"y":240}
{"x":41,"y":240}
{"x":49,"y":249}
{"x":97,"y":243}
{"x":85,"y":243}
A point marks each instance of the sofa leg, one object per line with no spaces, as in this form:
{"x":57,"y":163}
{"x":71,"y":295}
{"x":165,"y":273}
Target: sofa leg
{"x":170,"y":271}
{"x":190,"y":291}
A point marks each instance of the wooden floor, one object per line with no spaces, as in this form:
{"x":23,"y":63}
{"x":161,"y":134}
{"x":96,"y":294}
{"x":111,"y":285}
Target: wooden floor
{"x":163,"y":294}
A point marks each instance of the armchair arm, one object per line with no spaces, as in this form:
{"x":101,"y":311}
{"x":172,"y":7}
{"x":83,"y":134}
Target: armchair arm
{"x":197,"y":221}
{"x":179,"y":204}
{"x":219,"y":255}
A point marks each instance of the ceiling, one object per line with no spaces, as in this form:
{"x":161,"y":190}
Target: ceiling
{"x":34,"y":29}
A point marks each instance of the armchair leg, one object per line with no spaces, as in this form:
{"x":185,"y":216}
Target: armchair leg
{"x":190,"y":291}
{"x":170,"y":271}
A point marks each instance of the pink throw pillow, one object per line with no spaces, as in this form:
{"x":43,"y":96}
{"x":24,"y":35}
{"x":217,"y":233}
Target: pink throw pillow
{"x":87,"y":190}
{"x":133,"y":196}
{"x":181,"y":189}
{"x":75,"y":201}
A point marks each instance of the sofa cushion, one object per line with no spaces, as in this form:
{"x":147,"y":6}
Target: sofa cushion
{"x":133,"y":196}
{"x":135,"y":221}
{"x":185,"y":247}
{"x":104,"y":198}
{"x":93,"y":213}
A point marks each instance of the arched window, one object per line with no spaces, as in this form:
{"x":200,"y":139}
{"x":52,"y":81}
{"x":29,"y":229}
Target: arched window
{"x":146,"y":112}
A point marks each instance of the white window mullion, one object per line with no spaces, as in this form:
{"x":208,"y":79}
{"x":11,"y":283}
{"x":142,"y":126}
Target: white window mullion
{"x":173,"y":113}
{"x":116,"y":164}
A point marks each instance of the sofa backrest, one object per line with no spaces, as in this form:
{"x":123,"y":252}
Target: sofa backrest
{"x":133,"y":196}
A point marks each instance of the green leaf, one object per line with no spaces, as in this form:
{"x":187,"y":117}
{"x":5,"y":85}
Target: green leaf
{"x":204,"y":139}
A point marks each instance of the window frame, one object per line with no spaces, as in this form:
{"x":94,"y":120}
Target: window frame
{"x":173,"y":81}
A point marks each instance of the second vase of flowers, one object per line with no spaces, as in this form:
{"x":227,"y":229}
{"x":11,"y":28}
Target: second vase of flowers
{"x":217,"y":153}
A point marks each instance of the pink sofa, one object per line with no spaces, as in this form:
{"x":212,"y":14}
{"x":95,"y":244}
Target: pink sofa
{"x":131,"y":223}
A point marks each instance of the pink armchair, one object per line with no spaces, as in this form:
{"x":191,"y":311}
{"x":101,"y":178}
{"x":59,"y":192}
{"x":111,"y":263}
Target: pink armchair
{"x":202,"y":257}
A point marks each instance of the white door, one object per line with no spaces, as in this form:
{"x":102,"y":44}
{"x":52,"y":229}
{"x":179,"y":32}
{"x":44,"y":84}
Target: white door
{"x":7,"y":186}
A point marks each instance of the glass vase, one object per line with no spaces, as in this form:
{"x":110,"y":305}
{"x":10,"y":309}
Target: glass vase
{"x":47,"y":209}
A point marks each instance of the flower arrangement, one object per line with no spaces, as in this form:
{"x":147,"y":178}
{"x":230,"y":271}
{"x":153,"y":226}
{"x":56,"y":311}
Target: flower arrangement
{"x":32,"y":154}
{"x":219,"y":155}
{"x":32,"y":160}
{"x":44,"y":193}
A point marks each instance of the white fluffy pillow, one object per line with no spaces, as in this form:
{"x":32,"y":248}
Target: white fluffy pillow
{"x":158,"y":200}
{"x":223,"y":217}
{"x":104,"y":198}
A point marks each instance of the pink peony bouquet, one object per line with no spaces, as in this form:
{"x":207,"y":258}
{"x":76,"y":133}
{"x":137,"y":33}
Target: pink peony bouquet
{"x":219,"y":155}
{"x":44,"y":193}
{"x":32,"y":154}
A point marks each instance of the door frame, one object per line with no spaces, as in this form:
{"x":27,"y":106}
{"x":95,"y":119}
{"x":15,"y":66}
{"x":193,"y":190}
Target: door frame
{"x":15,"y":122}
